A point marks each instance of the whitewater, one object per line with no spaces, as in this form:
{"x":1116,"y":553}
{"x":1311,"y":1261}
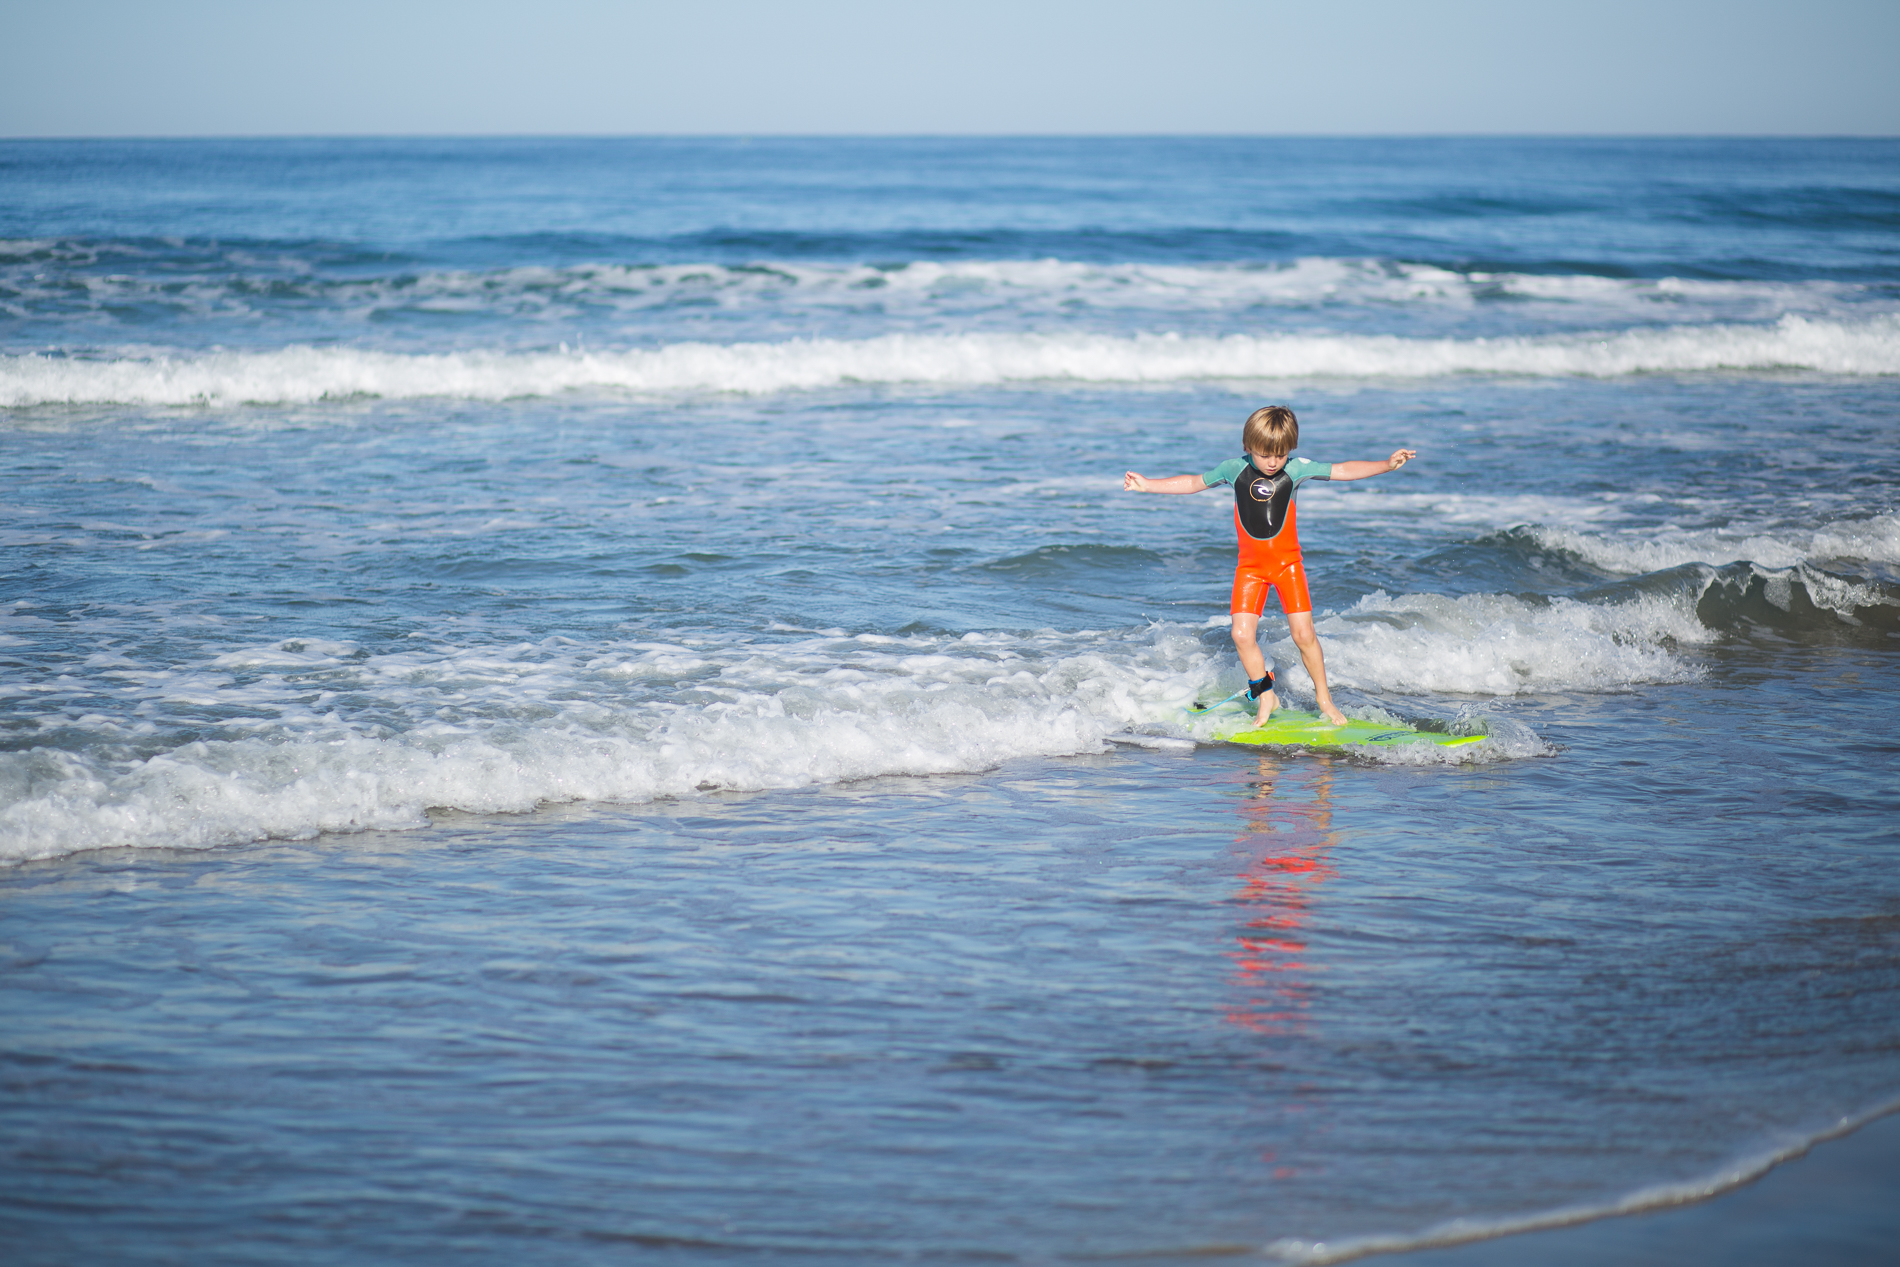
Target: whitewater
{"x":298,"y":375}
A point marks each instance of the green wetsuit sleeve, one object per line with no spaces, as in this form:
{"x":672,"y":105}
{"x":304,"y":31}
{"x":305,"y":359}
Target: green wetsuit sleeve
{"x":1305,"y":469}
{"x":1227,"y":472}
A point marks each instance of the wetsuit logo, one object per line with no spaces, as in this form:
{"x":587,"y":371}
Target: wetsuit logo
{"x":1263,"y":489}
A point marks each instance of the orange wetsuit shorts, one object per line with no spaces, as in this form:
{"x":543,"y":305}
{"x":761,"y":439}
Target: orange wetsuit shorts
{"x":1254,"y":577}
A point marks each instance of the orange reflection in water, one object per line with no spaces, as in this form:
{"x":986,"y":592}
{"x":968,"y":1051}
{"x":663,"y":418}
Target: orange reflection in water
{"x":1285,"y":843}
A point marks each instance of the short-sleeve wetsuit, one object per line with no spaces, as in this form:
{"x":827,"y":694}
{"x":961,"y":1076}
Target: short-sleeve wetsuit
{"x":1269,"y":535}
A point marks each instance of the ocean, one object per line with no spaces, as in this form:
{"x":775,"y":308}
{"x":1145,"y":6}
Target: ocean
{"x":573,"y":700}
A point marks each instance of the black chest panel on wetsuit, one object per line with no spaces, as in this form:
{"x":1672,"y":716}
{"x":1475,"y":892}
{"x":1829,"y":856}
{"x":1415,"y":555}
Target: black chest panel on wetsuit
{"x":1263,"y":501}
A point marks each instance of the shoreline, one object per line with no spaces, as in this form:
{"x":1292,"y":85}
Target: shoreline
{"x":1833,"y":1201}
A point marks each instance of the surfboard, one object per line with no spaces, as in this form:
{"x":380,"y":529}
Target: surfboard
{"x":1291,"y":727}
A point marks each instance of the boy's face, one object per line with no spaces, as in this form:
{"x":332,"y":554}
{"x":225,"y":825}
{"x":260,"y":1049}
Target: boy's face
{"x":1268,"y":463}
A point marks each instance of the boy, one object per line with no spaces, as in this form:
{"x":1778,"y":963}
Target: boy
{"x":1263,"y":484}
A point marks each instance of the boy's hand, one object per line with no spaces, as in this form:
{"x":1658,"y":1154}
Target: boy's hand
{"x":1133,"y":483}
{"x":1400,"y":458}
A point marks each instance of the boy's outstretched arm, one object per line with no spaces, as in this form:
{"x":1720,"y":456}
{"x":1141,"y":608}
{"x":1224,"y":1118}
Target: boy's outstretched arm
{"x":1361,"y":470}
{"x":1133,"y":483}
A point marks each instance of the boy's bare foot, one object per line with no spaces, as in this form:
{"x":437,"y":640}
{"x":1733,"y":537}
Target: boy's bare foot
{"x":1268,"y":703}
{"x":1332,"y":713}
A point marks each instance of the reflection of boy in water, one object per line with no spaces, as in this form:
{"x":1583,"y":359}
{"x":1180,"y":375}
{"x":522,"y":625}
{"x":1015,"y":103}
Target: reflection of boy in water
{"x":1286,"y":859}
{"x":1263,"y":482}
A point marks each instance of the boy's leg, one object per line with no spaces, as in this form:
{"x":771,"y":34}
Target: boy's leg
{"x":1306,"y":638}
{"x":1247,"y":643}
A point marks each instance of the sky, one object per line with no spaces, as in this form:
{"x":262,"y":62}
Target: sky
{"x":880,"y":67}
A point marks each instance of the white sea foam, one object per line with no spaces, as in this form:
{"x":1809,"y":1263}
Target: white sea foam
{"x":1496,"y":644}
{"x":304,"y":737}
{"x":1875,"y":539}
{"x":295,"y":738}
{"x":242,"y":284}
{"x":301,"y":374}
{"x":501,"y":729}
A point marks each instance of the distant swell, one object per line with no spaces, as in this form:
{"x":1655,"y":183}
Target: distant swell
{"x":303,"y":374}
{"x":78,"y":279}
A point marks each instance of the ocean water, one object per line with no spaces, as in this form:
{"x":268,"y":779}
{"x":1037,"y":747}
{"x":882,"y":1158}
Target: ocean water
{"x":584,"y":700}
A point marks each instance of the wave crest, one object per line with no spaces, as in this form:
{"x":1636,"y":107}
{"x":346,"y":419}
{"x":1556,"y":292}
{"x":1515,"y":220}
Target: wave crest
{"x":1874,"y":539}
{"x":304,"y":374}
{"x":293,"y":739}
{"x":206,"y":279}
{"x":1497,"y":644}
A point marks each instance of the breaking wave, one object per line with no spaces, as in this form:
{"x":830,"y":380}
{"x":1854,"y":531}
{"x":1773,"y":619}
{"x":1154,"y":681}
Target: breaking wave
{"x":1798,"y":583}
{"x":304,"y":737}
{"x":303,"y":373}
{"x":296,"y":738}
{"x":1497,"y":644}
{"x":207,"y":280}
{"x":1875,"y":539}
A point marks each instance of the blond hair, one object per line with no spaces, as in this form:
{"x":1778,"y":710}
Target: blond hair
{"x":1273,"y":431}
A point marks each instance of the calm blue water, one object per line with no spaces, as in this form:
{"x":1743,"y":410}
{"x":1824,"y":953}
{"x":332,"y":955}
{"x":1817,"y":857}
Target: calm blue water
{"x":570,"y":700}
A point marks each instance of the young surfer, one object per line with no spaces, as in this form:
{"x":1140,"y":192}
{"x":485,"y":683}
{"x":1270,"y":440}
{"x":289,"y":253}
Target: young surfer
{"x":1263,"y":482}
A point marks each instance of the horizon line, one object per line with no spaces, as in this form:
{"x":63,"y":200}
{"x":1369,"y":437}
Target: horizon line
{"x":949,"y":136}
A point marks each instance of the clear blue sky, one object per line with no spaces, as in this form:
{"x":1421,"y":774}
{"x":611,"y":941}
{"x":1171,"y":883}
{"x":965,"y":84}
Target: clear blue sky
{"x":254,"y":67}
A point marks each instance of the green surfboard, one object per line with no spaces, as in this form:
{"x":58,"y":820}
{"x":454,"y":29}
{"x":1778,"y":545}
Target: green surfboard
{"x":1310,"y":730}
